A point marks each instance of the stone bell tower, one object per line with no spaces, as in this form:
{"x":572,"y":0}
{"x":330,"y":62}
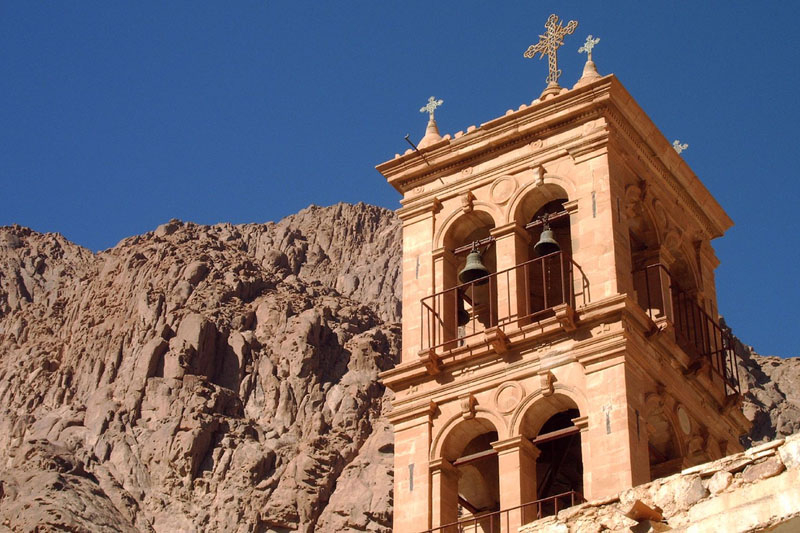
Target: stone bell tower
{"x":557,"y":367}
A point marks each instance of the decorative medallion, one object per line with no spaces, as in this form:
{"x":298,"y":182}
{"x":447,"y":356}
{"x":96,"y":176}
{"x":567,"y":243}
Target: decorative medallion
{"x":536,"y":145}
{"x":508,"y":395}
{"x":467,"y":171}
{"x":502,"y":189}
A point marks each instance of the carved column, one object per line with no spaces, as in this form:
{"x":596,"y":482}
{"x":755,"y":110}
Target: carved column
{"x":444,"y":493}
{"x":582,"y":423}
{"x":511,"y":242}
{"x":516,"y":460}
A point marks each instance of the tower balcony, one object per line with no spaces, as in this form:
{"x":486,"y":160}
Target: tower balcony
{"x":502,"y":302}
{"x":677,"y":313}
{"x":550,"y":289}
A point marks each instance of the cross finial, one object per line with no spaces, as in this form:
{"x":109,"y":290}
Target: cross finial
{"x":431,"y":106}
{"x":548,"y":45}
{"x":587,"y":47}
{"x":678,"y":146}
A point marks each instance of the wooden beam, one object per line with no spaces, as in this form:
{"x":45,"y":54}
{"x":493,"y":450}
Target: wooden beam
{"x":555,"y":435}
{"x":547,"y":437}
{"x":471,"y":458}
{"x":468,"y":506}
{"x":555,"y":217}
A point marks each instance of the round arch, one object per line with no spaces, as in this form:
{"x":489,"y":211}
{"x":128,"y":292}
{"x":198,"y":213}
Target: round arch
{"x":663,"y":439}
{"x":540,"y":408}
{"x":458,"y":224}
{"x":534,"y":195}
{"x":457,"y":432}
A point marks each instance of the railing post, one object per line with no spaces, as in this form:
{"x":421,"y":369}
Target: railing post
{"x":527,"y":289}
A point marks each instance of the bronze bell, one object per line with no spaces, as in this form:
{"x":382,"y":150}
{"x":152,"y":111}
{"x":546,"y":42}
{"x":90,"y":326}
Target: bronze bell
{"x":474,"y":270}
{"x":547,"y":243}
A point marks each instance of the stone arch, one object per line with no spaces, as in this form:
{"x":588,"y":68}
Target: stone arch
{"x":484,"y":418}
{"x":666,"y":448}
{"x":533,"y":196}
{"x":650,"y":287}
{"x":685,"y":270}
{"x":542,"y":407}
{"x":643,"y":232}
{"x":473,"y":485}
{"x":549,"y":421}
{"x":455,"y":223}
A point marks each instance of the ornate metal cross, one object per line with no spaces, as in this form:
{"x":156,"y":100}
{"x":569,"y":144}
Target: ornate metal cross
{"x":431,"y":106}
{"x":587,"y":47}
{"x":549,"y":43}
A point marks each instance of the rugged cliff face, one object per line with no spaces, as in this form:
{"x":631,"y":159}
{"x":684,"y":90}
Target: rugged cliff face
{"x":200,"y":378}
{"x":219,"y":378}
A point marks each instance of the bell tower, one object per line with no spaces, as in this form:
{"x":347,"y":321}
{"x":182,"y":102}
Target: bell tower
{"x":560,"y":332}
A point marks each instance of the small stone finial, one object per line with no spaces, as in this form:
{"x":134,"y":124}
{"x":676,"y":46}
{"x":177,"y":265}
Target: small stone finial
{"x":548,"y":45}
{"x":589,"y":69}
{"x":431,"y":106}
{"x":431,"y":131}
{"x":678,"y":146}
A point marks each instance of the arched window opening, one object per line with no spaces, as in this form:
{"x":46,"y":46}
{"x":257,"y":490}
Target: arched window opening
{"x":549,"y":277}
{"x":470,"y":494}
{"x":651,"y":284}
{"x":665,"y":457}
{"x":651,"y":280}
{"x":559,"y":468}
{"x":477,"y":298}
{"x":550,"y":425}
{"x":462,"y":307}
{"x":478,"y":482}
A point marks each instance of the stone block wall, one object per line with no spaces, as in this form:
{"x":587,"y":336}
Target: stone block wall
{"x":756,"y":490}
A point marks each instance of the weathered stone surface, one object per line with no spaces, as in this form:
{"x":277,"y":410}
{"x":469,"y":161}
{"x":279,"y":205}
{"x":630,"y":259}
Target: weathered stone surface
{"x":200,"y":378}
{"x":771,"y":467}
{"x":763,"y":497}
{"x":771,"y":396}
{"x":719,"y":482}
{"x":790,"y":452}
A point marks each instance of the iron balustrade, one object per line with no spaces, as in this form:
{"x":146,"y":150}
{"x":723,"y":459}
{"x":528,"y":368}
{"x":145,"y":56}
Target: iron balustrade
{"x":696,"y":332}
{"x":507,"y":299}
{"x":492,"y":522}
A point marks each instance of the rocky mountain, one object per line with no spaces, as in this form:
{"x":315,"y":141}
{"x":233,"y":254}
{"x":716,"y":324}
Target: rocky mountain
{"x":200,"y":378}
{"x":220,"y":378}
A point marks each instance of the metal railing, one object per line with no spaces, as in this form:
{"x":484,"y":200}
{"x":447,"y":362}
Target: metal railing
{"x":507,"y":299}
{"x":526,"y":513}
{"x":696,"y":332}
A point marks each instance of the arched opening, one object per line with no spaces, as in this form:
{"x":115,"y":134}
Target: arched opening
{"x":474,"y":490}
{"x":665,"y":455}
{"x":559,"y":467}
{"x":651,"y":281}
{"x":550,"y":425}
{"x":468,"y":307}
{"x":549,"y":271}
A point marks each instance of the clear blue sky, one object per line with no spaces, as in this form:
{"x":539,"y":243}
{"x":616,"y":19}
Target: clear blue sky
{"x":117,"y":116}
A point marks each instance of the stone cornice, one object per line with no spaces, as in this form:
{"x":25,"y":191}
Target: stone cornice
{"x":605,"y":97}
{"x":514,"y":128}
